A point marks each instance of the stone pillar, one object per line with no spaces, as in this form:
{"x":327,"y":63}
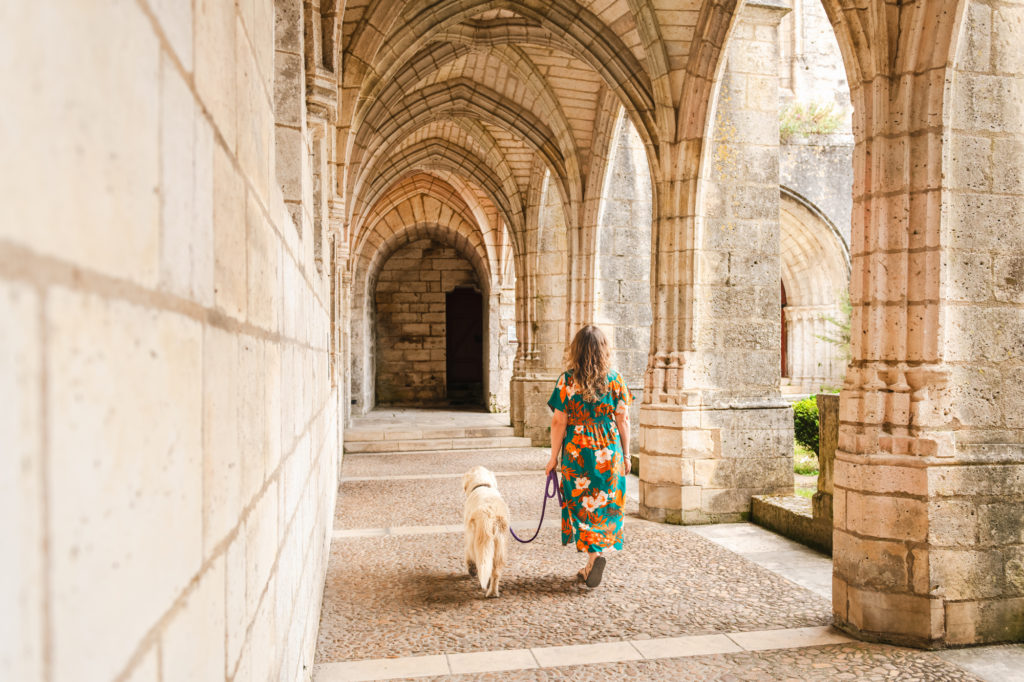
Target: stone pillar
{"x":828,"y":439}
{"x":544,"y":299}
{"x":714,"y":428}
{"x":929,"y":476}
{"x":499,"y":349}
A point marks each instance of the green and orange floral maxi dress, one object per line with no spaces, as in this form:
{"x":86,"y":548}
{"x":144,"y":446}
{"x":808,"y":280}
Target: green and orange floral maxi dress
{"x":593,"y":480}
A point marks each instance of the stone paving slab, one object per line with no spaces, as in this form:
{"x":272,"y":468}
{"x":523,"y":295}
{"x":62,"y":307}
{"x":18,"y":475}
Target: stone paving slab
{"x":432,"y":501}
{"x":409,"y":596}
{"x":860,"y":662}
{"x":803,"y":565}
{"x":455,"y":461}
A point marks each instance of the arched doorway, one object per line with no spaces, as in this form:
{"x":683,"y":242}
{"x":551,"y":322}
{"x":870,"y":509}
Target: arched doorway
{"x":412,"y":300}
{"x":464,"y":346}
{"x":815,"y":279}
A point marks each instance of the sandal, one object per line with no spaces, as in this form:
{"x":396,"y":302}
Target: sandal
{"x":593,"y":578}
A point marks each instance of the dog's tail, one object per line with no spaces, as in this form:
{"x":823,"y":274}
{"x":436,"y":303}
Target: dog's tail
{"x":489,"y":538}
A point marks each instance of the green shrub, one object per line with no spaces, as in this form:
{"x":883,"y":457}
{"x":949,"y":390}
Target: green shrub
{"x":799,"y":119}
{"x":805,"y":423}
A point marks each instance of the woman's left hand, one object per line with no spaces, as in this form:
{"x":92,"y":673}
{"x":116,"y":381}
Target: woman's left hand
{"x":552,"y":463}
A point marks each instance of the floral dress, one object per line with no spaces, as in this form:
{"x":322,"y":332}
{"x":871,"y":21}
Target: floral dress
{"x":593,"y":480}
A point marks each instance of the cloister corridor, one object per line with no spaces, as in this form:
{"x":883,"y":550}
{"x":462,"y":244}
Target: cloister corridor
{"x":274,"y":273}
{"x":727,"y":601}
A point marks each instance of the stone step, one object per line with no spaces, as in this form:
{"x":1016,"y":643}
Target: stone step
{"x":438,"y":433}
{"x":435,"y":444}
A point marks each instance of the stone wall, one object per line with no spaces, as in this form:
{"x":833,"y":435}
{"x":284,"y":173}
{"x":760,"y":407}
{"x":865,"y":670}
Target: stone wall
{"x":819,"y":170}
{"x":811,"y":66}
{"x":410,"y":321}
{"x":169,"y":429}
{"x":622,"y":287}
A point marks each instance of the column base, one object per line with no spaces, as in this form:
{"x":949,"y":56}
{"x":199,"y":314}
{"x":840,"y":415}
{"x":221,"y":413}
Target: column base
{"x":530,"y":414}
{"x":887,"y":618}
{"x":701,"y":465}
{"x":821,"y":506}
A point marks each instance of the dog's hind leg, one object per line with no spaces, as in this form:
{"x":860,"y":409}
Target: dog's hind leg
{"x":470,"y":563}
{"x":493,"y":588}
{"x":498,"y":552}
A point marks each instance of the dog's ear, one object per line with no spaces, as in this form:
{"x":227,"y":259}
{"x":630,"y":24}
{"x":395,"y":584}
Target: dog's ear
{"x":466,"y":478}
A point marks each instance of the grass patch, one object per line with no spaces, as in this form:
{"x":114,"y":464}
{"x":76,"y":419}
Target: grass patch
{"x":804,"y":492}
{"x":805,"y":462}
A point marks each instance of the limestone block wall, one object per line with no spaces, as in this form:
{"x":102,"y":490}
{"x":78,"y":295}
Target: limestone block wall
{"x":169,"y":430}
{"x":552,"y":291}
{"x":820,"y":171}
{"x":622,"y":287}
{"x":409,"y":307}
{"x":811,"y":66}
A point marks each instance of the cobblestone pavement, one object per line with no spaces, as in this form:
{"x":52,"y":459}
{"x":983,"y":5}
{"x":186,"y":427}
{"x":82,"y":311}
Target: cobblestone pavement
{"x":407,"y":595}
{"x":435,"y":501}
{"x":861,"y":662}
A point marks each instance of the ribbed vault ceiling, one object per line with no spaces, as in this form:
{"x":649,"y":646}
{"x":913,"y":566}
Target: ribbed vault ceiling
{"x":488,"y":96}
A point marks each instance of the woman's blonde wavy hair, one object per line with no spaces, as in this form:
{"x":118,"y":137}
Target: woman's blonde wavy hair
{"x":590,"y":361}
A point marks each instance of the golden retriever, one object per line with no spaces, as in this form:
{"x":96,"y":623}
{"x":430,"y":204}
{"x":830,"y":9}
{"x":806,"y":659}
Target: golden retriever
{"x":485,"y":517}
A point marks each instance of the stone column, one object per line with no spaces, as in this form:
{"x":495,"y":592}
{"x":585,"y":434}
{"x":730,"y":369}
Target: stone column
{"x":714,"y":428}
{"x":929,"y":477}
{"x":544,"y":299}
{"x":811,"y":359}
{"x":499,"y":350}
{"x":828,"y":439}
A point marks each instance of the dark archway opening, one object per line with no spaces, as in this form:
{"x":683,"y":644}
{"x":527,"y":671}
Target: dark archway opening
{"x":785,"y":334}
{"x":464,"y":346}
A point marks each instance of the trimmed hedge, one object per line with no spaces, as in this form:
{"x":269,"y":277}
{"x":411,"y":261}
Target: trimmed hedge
{"x":805,"y":423}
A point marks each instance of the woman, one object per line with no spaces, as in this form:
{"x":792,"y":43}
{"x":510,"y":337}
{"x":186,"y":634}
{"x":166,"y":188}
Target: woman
{"x":591,"y":426}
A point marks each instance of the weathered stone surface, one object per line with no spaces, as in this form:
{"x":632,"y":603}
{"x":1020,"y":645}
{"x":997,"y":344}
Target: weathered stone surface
{"x":792,"y":516}
{"x":143,"y":459}
{"x":21,"y":499}
{"x":193,"y":643}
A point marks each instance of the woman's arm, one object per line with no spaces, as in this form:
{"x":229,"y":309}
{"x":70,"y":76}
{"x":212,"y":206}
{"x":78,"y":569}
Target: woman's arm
{"x":622,"y":421}
{"x":558,"y":423}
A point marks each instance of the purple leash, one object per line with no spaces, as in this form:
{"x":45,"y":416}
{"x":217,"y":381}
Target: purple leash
{"x":548,"y":494}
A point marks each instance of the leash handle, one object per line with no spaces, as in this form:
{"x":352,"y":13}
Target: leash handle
{"x":549,"y":493}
